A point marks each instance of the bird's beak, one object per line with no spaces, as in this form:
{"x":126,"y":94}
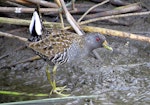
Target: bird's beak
{"x":105,"y":45}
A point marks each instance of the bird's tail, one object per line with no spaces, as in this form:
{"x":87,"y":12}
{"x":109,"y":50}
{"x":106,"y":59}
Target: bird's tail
{"x":36,"y":26}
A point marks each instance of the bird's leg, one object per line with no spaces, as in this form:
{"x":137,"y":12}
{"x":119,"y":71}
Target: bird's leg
{"x":55,"y":89}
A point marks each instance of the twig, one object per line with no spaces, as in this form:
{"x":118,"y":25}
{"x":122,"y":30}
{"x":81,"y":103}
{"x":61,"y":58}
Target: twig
{"x":114,"y":16}
{"x":116,"y":33}
{"x":27,"y":22}
{"x":75,"y":25}
{"x":92,"y":9}
{"x":71,"y":20}
{"x":60,"y":14}
{"x":123,"y":9}
{"x":47,"y":11}
{"x":15,"y":4}
{"x":21,"y":2}
{"x":13,"y":36}
{"x":26,"y":10}
{"x":43,"y":3}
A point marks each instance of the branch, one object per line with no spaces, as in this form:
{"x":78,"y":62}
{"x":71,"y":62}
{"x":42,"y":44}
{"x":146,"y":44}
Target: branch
{"x":27,"y":22}
{"x":114,"y":16}
{"x":26,"y":10}
{"x":71,"y":20}
{"x":41,"y":2}
{"x":13,"y":36}
{"x":120,"y":10}
{"x":116,"y":33}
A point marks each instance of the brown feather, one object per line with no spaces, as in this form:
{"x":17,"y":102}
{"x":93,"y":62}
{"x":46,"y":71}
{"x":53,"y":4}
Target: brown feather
{"x":56,"y":42}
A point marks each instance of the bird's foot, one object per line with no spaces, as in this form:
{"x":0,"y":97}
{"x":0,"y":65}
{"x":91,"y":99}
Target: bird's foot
{"x":59,"y":90}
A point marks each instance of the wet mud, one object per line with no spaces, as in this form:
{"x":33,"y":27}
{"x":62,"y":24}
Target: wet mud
{"x":120,"y":77}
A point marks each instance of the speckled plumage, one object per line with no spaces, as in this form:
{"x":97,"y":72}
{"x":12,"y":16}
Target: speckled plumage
{"x":63,"y":46}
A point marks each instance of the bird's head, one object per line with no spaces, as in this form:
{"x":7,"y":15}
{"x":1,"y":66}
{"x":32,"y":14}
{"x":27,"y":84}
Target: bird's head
{"x":96,"y":40}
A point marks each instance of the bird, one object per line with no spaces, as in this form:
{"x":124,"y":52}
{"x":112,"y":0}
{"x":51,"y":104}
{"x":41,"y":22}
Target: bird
{"x":63,"y":47}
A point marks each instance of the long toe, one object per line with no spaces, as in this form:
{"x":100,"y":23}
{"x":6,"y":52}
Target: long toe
{"x":59,"y":90}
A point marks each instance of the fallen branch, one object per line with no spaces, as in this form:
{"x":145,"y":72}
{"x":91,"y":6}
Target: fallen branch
{"x":26,"y":10}
{"x":114,"y":16}
{"x":21,"y":2}
{"x":27,"y":22}
{"x":15,"y":4}
{"x":41,"y":2}
{"x":116,"y":33}
{"x":123,"y":9}
{"x":13,"y":36}
{"x":47,"y":11}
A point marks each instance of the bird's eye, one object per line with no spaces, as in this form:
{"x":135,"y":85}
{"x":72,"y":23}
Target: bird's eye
{"x":98,"y":39}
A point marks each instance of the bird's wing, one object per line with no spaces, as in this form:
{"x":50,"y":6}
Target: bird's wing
{"x":55,"y":43}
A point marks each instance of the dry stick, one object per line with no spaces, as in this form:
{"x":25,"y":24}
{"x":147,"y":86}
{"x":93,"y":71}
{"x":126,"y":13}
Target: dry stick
{"x":119,"y":10}
{"x":60,"y":13}
{"x":92,"y":9}
{"x":43,"y":3}
{"x":26,"y":10}
{"x":110,"y":20}
{"x":13,"y":36}
{"x":15,"y":4}
{"x":27,"y":22}
{"x":45,"y":10}
{"x":71,"y":20}
{"x":21,"y":1}
{"x":116,"y":33}
{"x":114,"y":16}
